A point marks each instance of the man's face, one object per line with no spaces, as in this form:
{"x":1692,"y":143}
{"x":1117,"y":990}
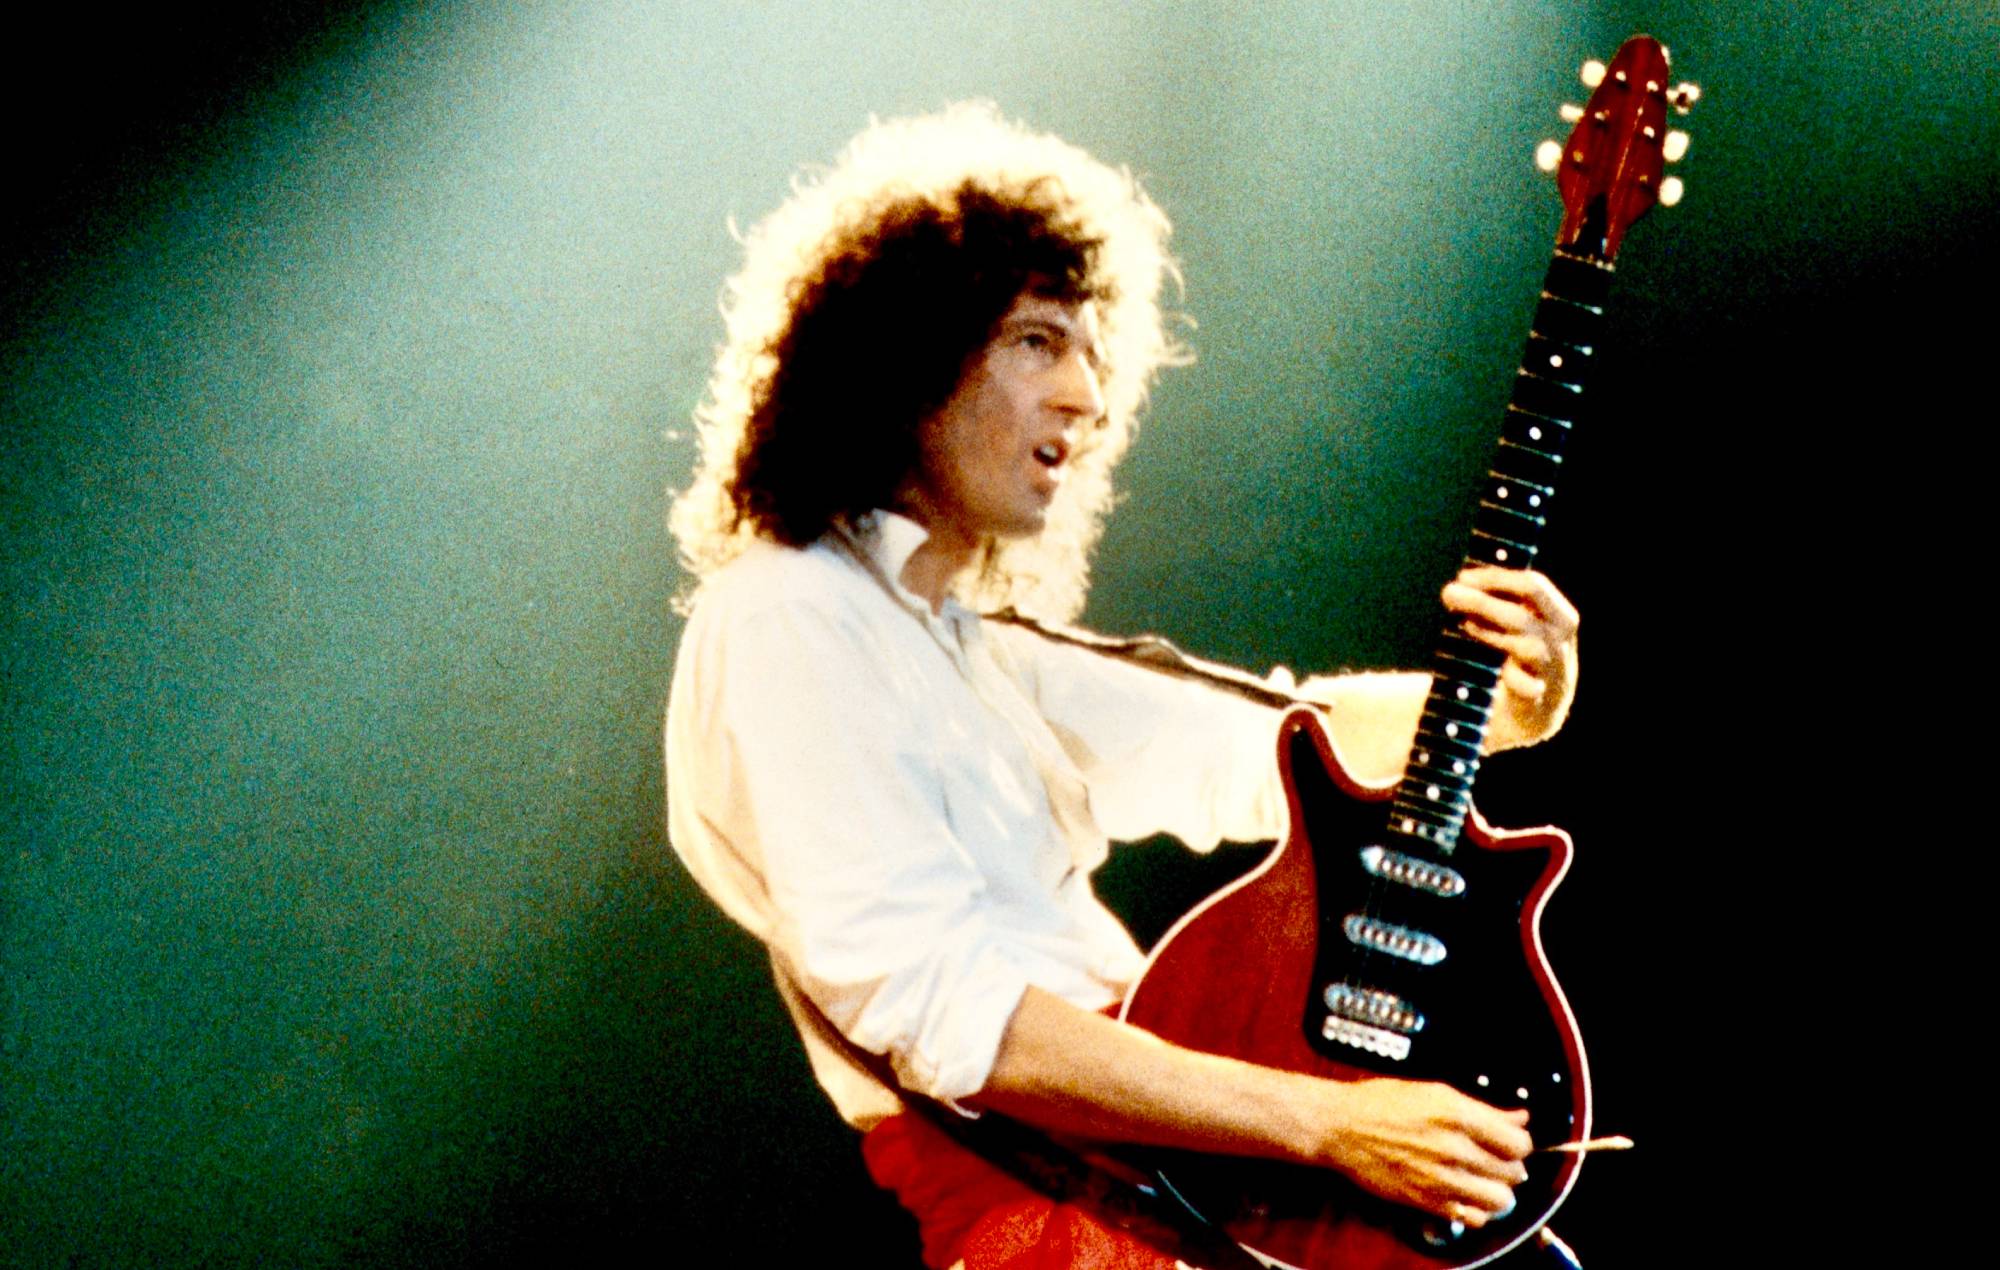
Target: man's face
{"x":993,"y":456}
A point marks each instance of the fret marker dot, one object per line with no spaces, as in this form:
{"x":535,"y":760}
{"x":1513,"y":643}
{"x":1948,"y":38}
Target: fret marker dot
{"x":1408,"y":824}
{"x":1431,"y":792}
{"x":1451,"y":729}
{"x":1555,"y":359}
{"x":1484,"y":1082}
{"x":1534,"y":500}
{"x":1501,"y":492}
{"x":1423,"y":756}
{"x":1461,"y":694}
{"x":1501,"y":554}
{"x":1522,"y":1094}
{"x":1458,"y":767}
{"x":1534,"y":434}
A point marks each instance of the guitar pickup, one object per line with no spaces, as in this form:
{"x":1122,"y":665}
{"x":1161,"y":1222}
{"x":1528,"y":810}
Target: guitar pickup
{"x":1397,"y":941}
{"x":1394,"y":866}
{"x":1373,"y":1006}
{"x":1374,"y":1040}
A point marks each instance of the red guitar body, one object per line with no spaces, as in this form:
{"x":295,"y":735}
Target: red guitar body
{"x":1245,"y":975}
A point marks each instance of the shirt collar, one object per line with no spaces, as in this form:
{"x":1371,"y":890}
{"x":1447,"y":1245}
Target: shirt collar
{"x":884,"y":541}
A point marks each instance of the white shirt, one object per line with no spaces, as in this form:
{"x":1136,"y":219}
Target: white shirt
{"x":905,"y":807}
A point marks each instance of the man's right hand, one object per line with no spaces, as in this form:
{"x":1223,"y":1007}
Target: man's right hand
{"x":1426,"y":1145}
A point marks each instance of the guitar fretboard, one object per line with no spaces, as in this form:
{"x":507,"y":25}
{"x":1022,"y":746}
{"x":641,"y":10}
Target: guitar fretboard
{"x":1430,"y":804}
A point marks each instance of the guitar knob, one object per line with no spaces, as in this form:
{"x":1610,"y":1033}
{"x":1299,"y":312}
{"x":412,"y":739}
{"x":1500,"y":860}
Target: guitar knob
{"x":1683,"y":96}
{"x":1440,"y":1234}
{"x":1671,"y":190}
{"x":1676,"y":145}
{"x":1569,"y":112}
{"x":1548,"y":155}
{"x":1593,"y":73}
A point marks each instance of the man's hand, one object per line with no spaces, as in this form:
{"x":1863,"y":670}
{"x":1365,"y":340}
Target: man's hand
{"x":1431,"y":1147}
{"x":1522,"y":614}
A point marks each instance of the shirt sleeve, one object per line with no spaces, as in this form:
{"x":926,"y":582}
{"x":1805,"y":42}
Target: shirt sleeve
{"x":819,"y":821}
{"x":1160,"y":753}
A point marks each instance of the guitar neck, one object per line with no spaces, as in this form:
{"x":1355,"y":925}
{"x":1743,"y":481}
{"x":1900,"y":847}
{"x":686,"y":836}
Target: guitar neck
{"x":1431,"y":803}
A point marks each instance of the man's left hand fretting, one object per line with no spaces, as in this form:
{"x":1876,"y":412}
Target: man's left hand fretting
{"x":1521,"y":613}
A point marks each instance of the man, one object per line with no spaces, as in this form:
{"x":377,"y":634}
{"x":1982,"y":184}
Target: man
{"x":936,"y":352}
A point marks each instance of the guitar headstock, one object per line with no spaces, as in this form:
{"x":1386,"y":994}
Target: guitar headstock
{"x":1610,"y":170}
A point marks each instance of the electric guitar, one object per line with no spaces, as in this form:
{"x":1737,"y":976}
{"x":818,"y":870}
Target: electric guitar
{"x":1394,"y":932}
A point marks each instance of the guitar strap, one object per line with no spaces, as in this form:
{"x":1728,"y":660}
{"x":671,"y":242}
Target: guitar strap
{"x":1161,"y":656}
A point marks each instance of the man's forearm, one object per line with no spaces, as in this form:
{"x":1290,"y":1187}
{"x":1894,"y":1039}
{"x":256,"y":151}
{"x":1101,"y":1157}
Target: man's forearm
{"x":1066,"y":1069}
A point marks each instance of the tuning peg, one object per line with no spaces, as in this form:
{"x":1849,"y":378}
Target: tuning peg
{"x":1548,"y":155}
{"x":1569,"y":112}
{"x":1676,"y":145}
{"x":1593,"y":73}
{"x":1683,"y":96}
{"x":1671,"y":190}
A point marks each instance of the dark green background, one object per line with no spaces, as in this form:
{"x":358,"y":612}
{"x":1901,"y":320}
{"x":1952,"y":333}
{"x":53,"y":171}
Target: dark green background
{"x":349,"y":356}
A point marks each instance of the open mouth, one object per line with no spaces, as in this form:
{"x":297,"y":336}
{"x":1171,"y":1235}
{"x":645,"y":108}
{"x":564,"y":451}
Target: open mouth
{"x":1050,"y":454}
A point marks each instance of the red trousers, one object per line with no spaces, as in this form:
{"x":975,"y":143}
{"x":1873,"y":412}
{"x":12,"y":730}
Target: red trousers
{"x":968,"y":1208}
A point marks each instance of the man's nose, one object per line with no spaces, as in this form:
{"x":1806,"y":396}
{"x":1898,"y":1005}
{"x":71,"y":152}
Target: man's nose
{"x":1078,"y":391}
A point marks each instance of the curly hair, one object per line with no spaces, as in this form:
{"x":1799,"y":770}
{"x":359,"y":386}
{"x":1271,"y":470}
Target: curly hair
{"x":862,"y":300}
